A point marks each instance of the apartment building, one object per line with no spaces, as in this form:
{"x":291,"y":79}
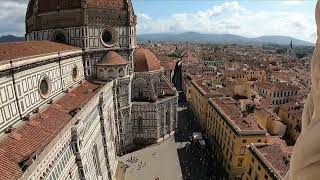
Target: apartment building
{"x":200,"y":92}
{"x":291,"y":115}
{"x":229,"y":132}
{"x":266,"y":162}
{"x":277,"y":93}
{"x":259,"y":75}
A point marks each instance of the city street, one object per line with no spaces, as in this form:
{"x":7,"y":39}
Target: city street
{"x":196,"y":161}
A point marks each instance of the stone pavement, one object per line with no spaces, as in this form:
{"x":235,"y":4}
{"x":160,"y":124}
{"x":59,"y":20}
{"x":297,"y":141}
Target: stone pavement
{"x":157,"y":162}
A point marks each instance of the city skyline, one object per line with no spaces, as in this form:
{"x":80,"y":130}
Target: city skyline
{"x":289,"y":18}
{"x":83,"y":97}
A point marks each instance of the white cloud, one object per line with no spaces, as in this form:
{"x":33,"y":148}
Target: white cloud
{"x":231,"y":17}
{"x":228,"y":17}
{"x":12,"y":13}
{"x":144,"y":16}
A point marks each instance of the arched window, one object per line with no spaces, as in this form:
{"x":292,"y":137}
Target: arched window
{"x":75,"y":73}
{"x":140,"y":93}
{"x":121,"y":72}
{"x":101,"y":73}
{"x":140,"y":89}
{"x":111,"y":73}
{"x":60,"y":38}
{"x":96,"y":160}
{"x":140,"y":124}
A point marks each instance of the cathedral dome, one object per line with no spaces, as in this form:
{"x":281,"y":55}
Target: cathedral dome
{"x":145,"y":61}
{"x":53,"y":14}
{"x":58,"y":5}
{"x":112,"y":59}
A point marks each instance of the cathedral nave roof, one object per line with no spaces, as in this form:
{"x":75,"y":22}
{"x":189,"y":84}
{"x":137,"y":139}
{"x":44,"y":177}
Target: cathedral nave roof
{"x":34,"y":136}
{"x":12,"y":51}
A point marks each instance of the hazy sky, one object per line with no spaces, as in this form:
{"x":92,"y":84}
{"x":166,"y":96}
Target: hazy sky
{"x":248,"y":18}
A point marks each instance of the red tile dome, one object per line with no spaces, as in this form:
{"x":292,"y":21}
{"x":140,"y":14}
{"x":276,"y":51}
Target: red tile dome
{"x":68,"y":13}
{"x":145,"y":61}
{"x":54,"y":5}
{"x":112,"y":58}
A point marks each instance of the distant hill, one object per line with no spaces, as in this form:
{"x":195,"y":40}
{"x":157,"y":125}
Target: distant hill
{"x":221,"y":39}
{"x":10,"y":38}
{"x":202,"y":38}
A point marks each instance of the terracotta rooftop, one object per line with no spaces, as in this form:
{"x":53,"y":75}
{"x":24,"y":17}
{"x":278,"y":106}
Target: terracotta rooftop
{"x":145,"y":61}
{"x":274,"y":155}
{"x":205,"y":89}
{"x":113,"y":58}
{"x":294,"y":109}
{"x":278,"y":140}
{"x":263,"y":103}
{"x":169,"y":65}
{"x":232,"y":110}
{"x":275,"y":87}
{"x":11,"y":51}
{"x":31,"y":138}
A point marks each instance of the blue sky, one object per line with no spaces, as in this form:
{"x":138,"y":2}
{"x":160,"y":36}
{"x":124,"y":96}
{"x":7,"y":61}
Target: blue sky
{"x":250,"y":18}
{"x":163,"y":8}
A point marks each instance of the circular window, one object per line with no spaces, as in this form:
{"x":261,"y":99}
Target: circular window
{"x":44,"y":87}
{"x":75,"y":73}
{"x":108,"y":37}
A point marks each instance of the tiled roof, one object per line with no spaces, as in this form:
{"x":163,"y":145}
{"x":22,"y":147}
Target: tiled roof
{"x":145,"y":61}
{"x":113,"y":58}
{"x":294,"y":109}
{"x":11,"y":51}
{"x":169,"y":65}
{"x":276,"y":156}
{"x":275,"y":87}
{"x":206,"y":90}
{"x":31,"y":138}
{"x":232,"y":110}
